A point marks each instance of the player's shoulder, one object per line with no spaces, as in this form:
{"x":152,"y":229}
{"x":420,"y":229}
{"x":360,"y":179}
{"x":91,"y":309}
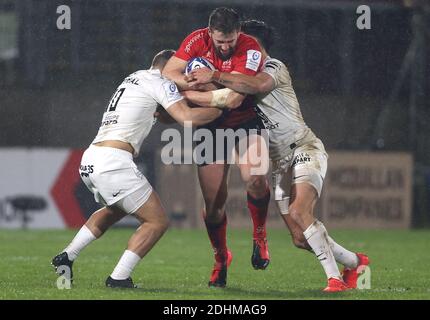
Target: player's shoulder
{"x":147,"y":78}
{"x":247,"y":42}
{"x":141,"y":75}
{"x":273,"y":63}
{"x":197,"y":37}
{"x":203,"y":32}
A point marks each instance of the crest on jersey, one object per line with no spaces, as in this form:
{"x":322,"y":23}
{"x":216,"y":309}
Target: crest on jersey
{"x":171,"y":91}
{"x":253,"y":59}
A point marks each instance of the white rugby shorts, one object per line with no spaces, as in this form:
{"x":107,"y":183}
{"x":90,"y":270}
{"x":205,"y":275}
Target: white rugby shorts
{"x":114,"y":179}
{"x":308,"y":164}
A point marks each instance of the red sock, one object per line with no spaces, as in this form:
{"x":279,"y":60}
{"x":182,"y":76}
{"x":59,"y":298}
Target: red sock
{"x":258,"y":210}
{"x":218,"y":237}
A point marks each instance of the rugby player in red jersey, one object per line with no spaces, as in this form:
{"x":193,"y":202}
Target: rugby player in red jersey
{"x":229,"y":50}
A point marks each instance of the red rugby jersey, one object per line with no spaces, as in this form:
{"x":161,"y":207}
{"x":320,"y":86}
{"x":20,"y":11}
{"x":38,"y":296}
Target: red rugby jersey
{"x":246,"y":60}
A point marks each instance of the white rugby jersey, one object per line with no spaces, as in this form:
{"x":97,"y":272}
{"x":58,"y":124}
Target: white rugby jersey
{"x":280,"y":112}
{"x":129,"y":116}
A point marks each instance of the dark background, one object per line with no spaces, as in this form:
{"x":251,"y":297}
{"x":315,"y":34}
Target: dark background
{"x":359,"y":89}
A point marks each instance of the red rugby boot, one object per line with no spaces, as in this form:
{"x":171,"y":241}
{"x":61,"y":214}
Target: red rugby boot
{"x":350,"y":276}
{"x":336,"y":285}
{"x":219,"y":272}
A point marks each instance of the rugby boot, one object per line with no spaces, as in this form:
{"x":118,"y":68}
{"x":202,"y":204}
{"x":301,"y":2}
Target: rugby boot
{"x":260,"y":254}
{"x":126,"y":283}
{"x":62,"y":259}
{"x":219,"y":272}
{"x":336,"y":285}
{"x":350,"y":276}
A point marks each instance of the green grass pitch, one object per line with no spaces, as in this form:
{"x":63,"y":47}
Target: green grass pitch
{"x":180,"y":264}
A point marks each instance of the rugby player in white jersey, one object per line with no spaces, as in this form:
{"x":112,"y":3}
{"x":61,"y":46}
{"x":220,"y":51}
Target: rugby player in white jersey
{"x":292,"y":146}
{"x":108,"y":170}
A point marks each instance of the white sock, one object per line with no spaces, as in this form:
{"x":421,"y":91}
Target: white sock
{"x":125,"y":266}
{"x":83,"y":238}
{"x":316,"y":235}
{"x":347,"y":258}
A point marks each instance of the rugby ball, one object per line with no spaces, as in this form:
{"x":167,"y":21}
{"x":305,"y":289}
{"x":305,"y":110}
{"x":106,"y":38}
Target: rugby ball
{"x":196,"y":63}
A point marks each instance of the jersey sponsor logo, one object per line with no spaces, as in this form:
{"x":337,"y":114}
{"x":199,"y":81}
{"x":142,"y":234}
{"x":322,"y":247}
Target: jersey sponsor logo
{"x":268,"y":124}
{"x":86,"y":170}
{"x":171,"y":91}
{"x":253,"y":58}
{"x":226,"y":63}
{"x":192,"y":41}
{"x":109,"y":119}
{"x":301,"y":158}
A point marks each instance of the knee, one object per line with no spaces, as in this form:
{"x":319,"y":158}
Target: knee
{"x":161,"y":224}
{"x":214,"y":210}
{"x":160,"y":227}
{"x":296,"y":213}
{"x":164,"y":225}
{"x":214,"y":216}
{"x":257,"y":184}
{"x":301,"y":243}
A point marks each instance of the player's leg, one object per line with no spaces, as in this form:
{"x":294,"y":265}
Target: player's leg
{"x":154,"y":223}
{"x":350,"y":260}
{"x":309,"y":166}
{"x":253,"y":162}
{"x":213,"y":182}
{"x":343,"y":256}
{"x":301,"y":207}
{"x":296,"y":232}
{"x":93,"y":229}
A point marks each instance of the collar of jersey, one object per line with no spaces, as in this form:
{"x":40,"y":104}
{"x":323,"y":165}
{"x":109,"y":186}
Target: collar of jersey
{"x":155,"y":71}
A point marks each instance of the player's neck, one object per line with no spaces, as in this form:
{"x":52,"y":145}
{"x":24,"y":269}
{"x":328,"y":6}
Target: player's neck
{"x":264,"y":54}
{"x":156,"y":68}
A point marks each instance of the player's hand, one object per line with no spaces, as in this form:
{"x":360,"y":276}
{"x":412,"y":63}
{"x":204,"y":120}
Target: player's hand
{"x":201,"y":75}
{"x":202,"y":87}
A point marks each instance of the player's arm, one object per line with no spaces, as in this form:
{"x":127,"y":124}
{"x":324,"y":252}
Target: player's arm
{"x":163,"y":116}
{"x":181,"y":112}
{"x":165,"y":93}
{"x":174,"y":70}
{"x":260,"y":83}
{"x":221,"y":98}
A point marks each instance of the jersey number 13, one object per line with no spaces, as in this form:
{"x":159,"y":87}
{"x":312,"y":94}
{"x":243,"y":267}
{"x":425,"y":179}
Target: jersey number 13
{"x":114,"y":100}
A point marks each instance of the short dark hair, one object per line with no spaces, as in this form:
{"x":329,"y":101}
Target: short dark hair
{"x":225,"y":20}
{"x":264,"y":33}
{"x":161,"y":58}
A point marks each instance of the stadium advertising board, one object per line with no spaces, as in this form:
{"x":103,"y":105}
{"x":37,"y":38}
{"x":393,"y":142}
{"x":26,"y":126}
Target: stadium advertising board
{"x":361,"y":190}
{"x":368,"y":190}
{"x":41,"y":188}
